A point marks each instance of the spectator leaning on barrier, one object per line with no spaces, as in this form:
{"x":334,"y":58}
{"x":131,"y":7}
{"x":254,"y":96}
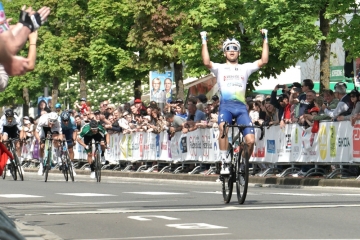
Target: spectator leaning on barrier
{"x":354,"y":98}
{"x":306,"y":86}
{"x":271,"y":117}
{"x":254,"y":108}
{"x":319,"y":101}
{"x":310,"y":97}
{"x":175,"y":123}
{"x":343,"y":108}
{"x":194,"y":116}
{"x":216,"y":104}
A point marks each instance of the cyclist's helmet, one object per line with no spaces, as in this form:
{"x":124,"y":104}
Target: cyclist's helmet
{"x":229,"y":41}
{"x":65,"y":116}
{"x":9,"y":113}
{"x":93,"y":124}
{"x":53,"y":117}
{"x":58,"y":105}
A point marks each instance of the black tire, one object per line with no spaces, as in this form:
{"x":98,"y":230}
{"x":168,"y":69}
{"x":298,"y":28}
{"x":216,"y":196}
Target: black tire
{"x":12,"y":169}
{"x":242,"y":173}
{"x":69,"y":166}
{"x":18,"y":167}
{"x":4,"y":172}
{"x":227,"y":180}
{"x":97,"y":166}
{"x":47,"y":165}
{"x":64,"y":169}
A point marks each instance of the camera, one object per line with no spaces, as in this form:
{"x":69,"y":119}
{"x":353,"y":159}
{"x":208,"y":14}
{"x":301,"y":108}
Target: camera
{"x":281,"y":86}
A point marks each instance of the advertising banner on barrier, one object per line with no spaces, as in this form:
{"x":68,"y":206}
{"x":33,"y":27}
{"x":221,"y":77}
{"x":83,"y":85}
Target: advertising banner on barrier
{"x":259,"y":147}
{"x":310,"y":146}
{"x":194,"y":146}
{"x":175,"y":149}
{"x":356,"y":142}
{"x":210,"y":150}
{"x":296,"y":143}
{"x":165,"y":153}
{"x":270,"y":143}
{"x":284,"y":149}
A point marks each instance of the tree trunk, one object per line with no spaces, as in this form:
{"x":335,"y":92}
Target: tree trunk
{"x":178,"y":69}
{"x":55,"y":92}
{"x":324,"y":53}
{"x":26,"y":101}
{"x":137,"y":89}
{"x":82,"y":73}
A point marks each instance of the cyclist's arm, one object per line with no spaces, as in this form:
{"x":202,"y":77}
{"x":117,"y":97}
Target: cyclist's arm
{"x":265,"y":54}
{"x":205,"y":56}
{"x":81,"y":142}
{"x":84,"y":130}
{"x":74,"y":135}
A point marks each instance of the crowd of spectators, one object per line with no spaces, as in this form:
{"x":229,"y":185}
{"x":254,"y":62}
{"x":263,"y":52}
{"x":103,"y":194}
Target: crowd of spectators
{"x":298,"y":103}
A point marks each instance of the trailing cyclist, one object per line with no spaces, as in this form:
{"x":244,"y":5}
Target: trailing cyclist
{"x":48,"y":123}
{"x":89,"y":131}
{"x":232,"y":79}
{"x":69,"y":130}
{"x":10,"y":127}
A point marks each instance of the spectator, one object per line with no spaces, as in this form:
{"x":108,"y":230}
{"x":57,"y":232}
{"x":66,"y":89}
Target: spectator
{"x":313,"y":112}
{"x":201,"y":98}
{"x":124,"y":122}
{"x":97,"y":115}
{"x":194,"y":116}
{"x":343,"y":108}
{"x":175,"y":123}
{"x":306,"y":86}
{"x":79,"y":123}
{"x":110,"y":108}
{"x":216,"y":104}
{"x":156,"y":123}
{"x":134,"y":110}
{"x":27,"y":128}
{"x":58,"y":108}
{"x":310,"y":97}
{"x":82,"y":107}
{"x":318,"y":102}
{"x":254,"y":108}
{"x":354,"y":98}
{"x":116,"y":114}
{"x":271,"y":117}
{"x":211,"y":118}
{"x":113,"y":126}
{"x":181,"y":111}
{"x":139,"y":105}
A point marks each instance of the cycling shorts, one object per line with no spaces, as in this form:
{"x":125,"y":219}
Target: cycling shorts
{"x":11,"y":131}
{"x":97,"y":138}
{"x":230,"y":110}
{"x":69,"y":137}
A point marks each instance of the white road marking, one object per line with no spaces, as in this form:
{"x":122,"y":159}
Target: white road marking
{"x":19,"y":196}
{"x":159,"y":237}
{"x":194,"y":226}
{"x":146,"y":218}
{"x":156,"y":193}
{"x":87,"y":194}
{"x":116,"y":211}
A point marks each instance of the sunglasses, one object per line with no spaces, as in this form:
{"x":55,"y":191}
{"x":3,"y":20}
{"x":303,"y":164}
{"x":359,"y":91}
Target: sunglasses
{"x":232,"y":48}
{"x":65,"y":120}
{"x":52,"y":121}
{"x":353,"y":96}
{"x":9,"y":118}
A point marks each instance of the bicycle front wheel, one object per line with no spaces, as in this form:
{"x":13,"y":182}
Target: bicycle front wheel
{"x":47,"y":165}
{"x":97,"y":166}
{"x":12,"y":169}
{"x":242,"y":173}
{"x":64,"y":169}
{"x":18,"y":167}
{"x":69,"y":166}
{"x":4,"y":172}
{"x":227,"y":180}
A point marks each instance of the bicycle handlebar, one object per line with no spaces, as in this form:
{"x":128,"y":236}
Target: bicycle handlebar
{"x":242,"y":127}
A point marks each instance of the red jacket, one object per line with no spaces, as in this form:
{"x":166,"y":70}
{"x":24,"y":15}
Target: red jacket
{"x":4,"y":155}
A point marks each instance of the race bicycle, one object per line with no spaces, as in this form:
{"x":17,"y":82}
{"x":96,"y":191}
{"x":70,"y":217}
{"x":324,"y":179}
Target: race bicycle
{"x":239,"y":165}
{"x":97,"y":161}
{"x":15,"y":165}
{"x":66,"y":166}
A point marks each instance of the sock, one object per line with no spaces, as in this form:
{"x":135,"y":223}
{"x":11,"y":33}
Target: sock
{"x":92,"y":167}
{"x":223,"y":155}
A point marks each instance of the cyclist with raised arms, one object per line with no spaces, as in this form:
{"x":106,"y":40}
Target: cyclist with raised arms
{"x":48,"y":123}
{"x":232,"y":79}
{"x":93,"y":130}
{"x":69,"y":130}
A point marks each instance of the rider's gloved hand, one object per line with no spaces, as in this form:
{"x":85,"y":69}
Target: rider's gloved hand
{"x":203,"y":37}
{"x":264,"y":33}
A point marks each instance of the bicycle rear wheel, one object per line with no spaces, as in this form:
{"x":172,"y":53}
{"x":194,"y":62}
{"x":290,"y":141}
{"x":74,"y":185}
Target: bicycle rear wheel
{"x":97,"y":165}
{"x":4,"y":172}
{"x":18,"y":167}
{"x":227,"y":180}
{"x":242,"y":173}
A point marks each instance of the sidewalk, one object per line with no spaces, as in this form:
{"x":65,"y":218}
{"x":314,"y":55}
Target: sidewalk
{"x":272,"y":180}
